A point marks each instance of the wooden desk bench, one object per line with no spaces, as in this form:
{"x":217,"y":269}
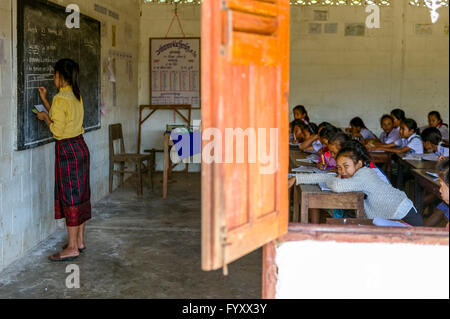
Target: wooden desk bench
{"x":424,"y":182}
{"x":408,"y":165}
{"x":311,"y":196}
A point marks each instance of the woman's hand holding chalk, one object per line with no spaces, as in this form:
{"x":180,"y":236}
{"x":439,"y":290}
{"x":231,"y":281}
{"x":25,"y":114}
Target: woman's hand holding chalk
{"x":42,"y":92}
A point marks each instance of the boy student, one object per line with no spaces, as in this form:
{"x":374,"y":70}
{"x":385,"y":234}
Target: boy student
{"x":432,"y":142}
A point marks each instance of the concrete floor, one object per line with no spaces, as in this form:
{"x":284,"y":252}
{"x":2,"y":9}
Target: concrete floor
{"x":136,"y":248}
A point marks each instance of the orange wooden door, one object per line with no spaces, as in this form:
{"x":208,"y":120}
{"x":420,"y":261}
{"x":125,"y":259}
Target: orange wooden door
{"x":245,"y":85}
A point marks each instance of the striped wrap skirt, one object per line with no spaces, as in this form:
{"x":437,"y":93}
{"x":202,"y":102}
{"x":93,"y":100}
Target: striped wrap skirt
{"x":72,"y":188}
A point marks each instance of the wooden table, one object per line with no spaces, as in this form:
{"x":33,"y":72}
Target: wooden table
{"x":424,"y":182}
{"x":311,"y":196}
{"x":408,"y":165}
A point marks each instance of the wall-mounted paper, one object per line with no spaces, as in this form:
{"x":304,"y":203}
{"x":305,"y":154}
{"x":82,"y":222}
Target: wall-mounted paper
{"x":315,"y":28}
{"x":355,"y":29}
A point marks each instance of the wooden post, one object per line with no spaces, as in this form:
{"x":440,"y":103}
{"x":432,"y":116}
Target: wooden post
{"x":166,"y":164}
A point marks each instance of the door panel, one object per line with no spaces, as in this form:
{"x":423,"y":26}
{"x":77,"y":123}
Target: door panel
{"x":245,"y":80}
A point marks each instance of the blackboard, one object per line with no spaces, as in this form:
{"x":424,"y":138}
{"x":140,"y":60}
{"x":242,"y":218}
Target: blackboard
{"x":42,"y":39}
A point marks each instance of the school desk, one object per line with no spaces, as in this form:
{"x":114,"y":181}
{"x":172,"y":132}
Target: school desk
{"x":408,"y":165}
{"x":424,"y":182}
{"x":311,"y":196}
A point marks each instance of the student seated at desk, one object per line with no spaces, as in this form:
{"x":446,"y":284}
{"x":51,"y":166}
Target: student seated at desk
{"x":314,"y":138}
{"x":297,"y":131}
{"x":326,"y":161}
{"x":435,"y":120}
{"x":359,"y":130}
{"x":398,"y":115}
{"x":389,"y":136}
{"x":411,"y":142}
{"x":308,"y":131}
{"x":382,"y":200}
{"x":432,"y":142}
{"x":341,"y":140}
{"x":300,"y":113}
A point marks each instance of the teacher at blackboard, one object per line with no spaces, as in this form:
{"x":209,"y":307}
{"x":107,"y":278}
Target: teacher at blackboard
{"x":72,"y":188}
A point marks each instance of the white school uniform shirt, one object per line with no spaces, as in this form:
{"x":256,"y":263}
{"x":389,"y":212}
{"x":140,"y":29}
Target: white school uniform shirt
{"x":442,"y":150}
{"x":444,"y":131}
{"x":365,"y":133}
{"x":414,"y":142}
{"x":392,"y":137}
{"x":317,"y":145}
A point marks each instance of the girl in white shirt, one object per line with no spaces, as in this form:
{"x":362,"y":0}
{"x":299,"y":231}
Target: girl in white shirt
{"x":390,"y":134}
{"x":435,"y":120}
{"x":411,"y":142}
{"x":359,"y":130}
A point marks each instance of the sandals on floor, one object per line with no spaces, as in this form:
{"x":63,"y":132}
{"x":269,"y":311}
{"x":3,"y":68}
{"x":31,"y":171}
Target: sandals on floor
{"x":79,"y":249}
{"x":57,"y":257}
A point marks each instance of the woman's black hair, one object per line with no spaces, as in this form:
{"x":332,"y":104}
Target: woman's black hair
{"x":328,"y":131}
{"x":386,"y":116}
{"x":411,"y":125}
{"x":438,"y":116}
{"x":70,"y":71}
{"x":357,"y":122}
{"x":432,"y":135}
{"x":399,"y":114}
{"x":302,"y":109}
{"x":356,"y":151}
{"x":443,"y":170}
{"x":339,"y":137}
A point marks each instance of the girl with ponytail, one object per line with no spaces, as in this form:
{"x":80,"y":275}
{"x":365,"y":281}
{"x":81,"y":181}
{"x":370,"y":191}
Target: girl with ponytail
{"x":72,"y":186}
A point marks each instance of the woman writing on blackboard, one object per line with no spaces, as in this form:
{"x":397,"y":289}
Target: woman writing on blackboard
{"x":72,"y":188}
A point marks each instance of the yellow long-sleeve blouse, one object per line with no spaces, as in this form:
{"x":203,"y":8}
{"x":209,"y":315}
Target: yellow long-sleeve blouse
{"x":67,"y":115}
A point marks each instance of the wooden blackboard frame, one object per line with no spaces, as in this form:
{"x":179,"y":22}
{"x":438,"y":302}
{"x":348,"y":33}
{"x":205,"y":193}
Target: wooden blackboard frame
{"x":20,"y":107}
{"x":199,"y":67}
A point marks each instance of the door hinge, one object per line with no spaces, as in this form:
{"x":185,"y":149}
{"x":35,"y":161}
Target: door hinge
{"x":224,"y":244}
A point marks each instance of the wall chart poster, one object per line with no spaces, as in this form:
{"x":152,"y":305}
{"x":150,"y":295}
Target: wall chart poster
{"x":175,"y":71}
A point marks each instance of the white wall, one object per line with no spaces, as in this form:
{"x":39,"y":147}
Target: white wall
{"x":27,"y":177}
{"x":155,"y":22}
{"x":338,"y":77}
{"x":331,"y":270}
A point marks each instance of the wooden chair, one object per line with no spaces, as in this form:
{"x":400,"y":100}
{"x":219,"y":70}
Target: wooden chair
{"x":115,"y":133}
